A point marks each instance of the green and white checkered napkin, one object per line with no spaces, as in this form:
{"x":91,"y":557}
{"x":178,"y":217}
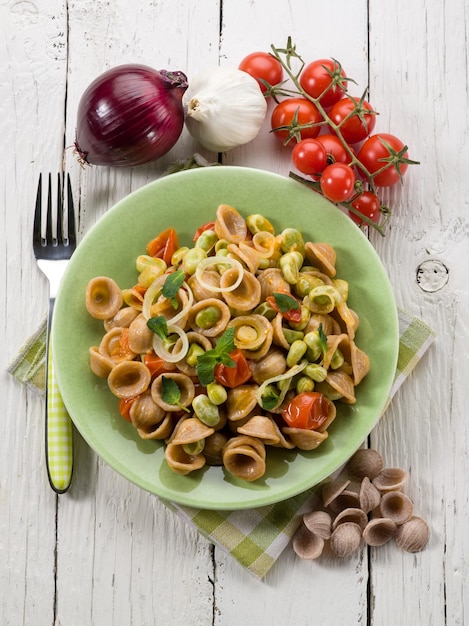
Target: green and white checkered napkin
{"x":254,"y":537}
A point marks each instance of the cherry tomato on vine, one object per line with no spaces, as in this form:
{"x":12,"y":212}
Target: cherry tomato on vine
{"x":373,"y":155}
{"x":359,"y":125}
{"x":308,"y":410}
{"x":336,"y":153}
{"x":317,"y":79}
{"x":368,"y":204}
{"x":337,"y":182}
{"x":309,"y":156}
{"x":295,"y":112}
{"x":262,"y":66}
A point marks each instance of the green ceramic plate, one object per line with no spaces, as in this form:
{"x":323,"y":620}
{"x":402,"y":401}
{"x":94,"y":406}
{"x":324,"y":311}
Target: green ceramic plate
{"x":187,"y":200}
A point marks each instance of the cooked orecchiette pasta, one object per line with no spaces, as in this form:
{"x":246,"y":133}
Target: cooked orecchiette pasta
{"x":243,"y":341}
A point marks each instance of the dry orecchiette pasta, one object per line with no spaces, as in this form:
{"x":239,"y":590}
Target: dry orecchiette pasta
{"x":245,"y":340}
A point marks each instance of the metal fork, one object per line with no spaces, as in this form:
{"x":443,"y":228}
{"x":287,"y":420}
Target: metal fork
{"x":54,"y":241}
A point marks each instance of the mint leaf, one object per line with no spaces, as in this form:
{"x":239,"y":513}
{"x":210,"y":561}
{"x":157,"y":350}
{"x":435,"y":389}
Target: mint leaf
{"x":159,"y":326}
{"x":207,"y":362}
{"x":285,"y":302}
{"x":170,"y":393}
{"x":171,"y":286}
{"x":270,"y":399}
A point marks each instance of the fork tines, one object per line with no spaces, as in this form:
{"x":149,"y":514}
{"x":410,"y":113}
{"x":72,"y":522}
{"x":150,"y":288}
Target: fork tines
{"x":56,"y":225}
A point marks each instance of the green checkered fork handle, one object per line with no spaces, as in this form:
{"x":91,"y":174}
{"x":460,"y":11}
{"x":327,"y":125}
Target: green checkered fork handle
{"x":54,"y":241}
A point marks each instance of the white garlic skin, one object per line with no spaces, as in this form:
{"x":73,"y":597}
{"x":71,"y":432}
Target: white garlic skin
{"x":224,"y":108}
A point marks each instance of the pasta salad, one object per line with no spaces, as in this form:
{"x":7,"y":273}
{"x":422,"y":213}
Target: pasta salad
{"x":242,"y":342}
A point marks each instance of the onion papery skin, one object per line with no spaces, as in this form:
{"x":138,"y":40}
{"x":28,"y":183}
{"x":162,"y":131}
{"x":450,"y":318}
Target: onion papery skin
{"x":130,"y":115}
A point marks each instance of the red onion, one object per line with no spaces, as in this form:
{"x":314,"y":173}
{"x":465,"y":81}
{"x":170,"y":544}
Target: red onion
{"x":130,"y":115}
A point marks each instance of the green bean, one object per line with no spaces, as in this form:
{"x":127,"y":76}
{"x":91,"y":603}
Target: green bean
{"x":208,"y":317}
{"x":314,"y":345}
{"x":337,"y":359}
{"x":292,"y":335}
{"x":207,"y":240}
{"x":291,"y":240}
{"x":195,"y":448}
{"x":266,"y":310}
{"x":257,"y":223}
{"x":296,"y":352}
{"x":193,"y":353}
{"x":144,"y":260}
{"x":178,"y":255}
{"x":216,"y":393}
{"x":290,"y":264}
{"x":305,"y":283}
{"x":315,"y":372}
{"x":192,"y":259}
{"x":304,"y":383}
{"x":205,"y":410}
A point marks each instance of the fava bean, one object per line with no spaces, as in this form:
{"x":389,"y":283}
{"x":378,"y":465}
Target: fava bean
{"x":257,"y":223}
{"x":216,"y":393}
{"x":192,"y":259}
{"x":208,"y":317}
{"x":195,"y":448}
{"x":291,"y":240}
{"x":205,"y":410}
{"x":304,"y":383}
{"x":296,"y":352}
{"x":193,"y":353}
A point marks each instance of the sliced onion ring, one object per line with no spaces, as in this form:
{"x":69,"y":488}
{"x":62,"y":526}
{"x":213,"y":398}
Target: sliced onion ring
{"x":215,"y":260}
{"x":166,"y":355}
{"x":293,"y":371}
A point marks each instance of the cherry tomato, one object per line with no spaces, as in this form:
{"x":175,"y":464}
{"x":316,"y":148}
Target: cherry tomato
{"x":317,"y":81}
{"x":262,"y":66}
{"x":307,"y":410}
{"x":233,"y":376}
{"x":373,"y":154}
{"x":295,"y":112}
{"x":309,"y":157}
{"x":336,"y":153}
{"x":359,"y":125}
{"x":368,"y":204}
{"x":164,"y":245}
{"x":337,"y":182}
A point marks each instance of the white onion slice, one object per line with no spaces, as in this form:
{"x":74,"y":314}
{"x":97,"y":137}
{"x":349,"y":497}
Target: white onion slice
{"x":166,"y":355}
{"x":185,"y":309}
{"x":214,"y":260}
{"x":293,"y":371}
{"x":151,"y":294}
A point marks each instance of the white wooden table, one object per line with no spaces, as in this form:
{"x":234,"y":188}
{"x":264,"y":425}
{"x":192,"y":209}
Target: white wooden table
{"x":109,"y":553}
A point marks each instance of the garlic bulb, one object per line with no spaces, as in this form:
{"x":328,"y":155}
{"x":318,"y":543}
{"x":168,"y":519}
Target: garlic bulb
{"x":224,"y":108}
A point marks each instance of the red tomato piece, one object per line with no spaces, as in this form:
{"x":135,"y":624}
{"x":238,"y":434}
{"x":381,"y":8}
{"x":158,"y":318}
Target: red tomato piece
{"x":308,"y":410}
{"x":290,"y":115}
{"x":359,"y":125}
{"x":124,"y":408}
{"x":164,"y":245}
{"x":202,"y":229}
{"x":155,"y":364}
{"x":318,"y":79}
{"x":338,"y":182}
{"x":233,"y":376}
{"x":292,"y":315}
{"x":263,"y":67}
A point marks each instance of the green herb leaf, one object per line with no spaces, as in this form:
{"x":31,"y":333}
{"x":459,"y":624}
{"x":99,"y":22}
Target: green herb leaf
{"x":159,"y":326}
{"x":171,"y":393}
{"x":207,"y":362}
{"x":322,"y":339}
{"x":171,"y":286}
{"x":285,"y":302}
{"x":270,"y":399}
